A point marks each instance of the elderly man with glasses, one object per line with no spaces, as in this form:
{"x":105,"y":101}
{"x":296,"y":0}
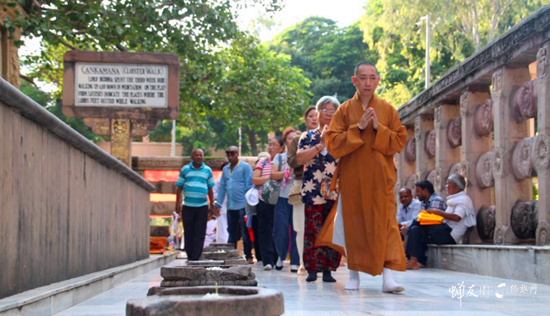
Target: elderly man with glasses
{"x":236,"y":179}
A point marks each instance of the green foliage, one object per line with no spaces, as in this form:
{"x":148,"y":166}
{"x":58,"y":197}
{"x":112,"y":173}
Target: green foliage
{"x":458,"y":29}
{"x":45,"y":100}
{"x":326,"y":53}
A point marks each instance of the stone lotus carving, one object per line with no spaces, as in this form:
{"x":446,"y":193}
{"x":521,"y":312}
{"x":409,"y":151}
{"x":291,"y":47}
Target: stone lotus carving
{"x":543,"y":233}
{"x":411,"y":181}
{"x":540,"y":154}
{"x":455,"y":168}
{"x":454,"y":132}
{"x":498,"y":162}
{"x":484,"y":171}
{"x":410,"y":150}
{"x":429,"y":145}
{"x":521,"y":159}
{"x":431,"y":176}
{"x":486,"y":219}
{"x":524,"y":219}
{"x":483,"y":119}
{"x":542,"y":63}
{"x":525,"y":102}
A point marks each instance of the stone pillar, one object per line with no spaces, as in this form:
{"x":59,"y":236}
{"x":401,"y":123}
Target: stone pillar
{"x":121,"y":141}
{"x":508,"y":190}
{"x":541,"y":149}
{"x":445,"y":155}
{"x":425,"y":162}
{"x":406,"y":165}
{"x":472,"y":106}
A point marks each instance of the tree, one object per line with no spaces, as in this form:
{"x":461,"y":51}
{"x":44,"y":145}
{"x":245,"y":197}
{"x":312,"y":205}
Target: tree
{"x":458,"y":29}
{"x":260,"y":90}
{"x":326,"y":53}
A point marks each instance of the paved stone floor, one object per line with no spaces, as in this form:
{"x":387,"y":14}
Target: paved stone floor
{"x":428,"y":292}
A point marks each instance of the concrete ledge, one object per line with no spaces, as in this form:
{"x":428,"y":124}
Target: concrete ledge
{"x":524,"y":263}
{"x":22,"y":104}
{"x":54,"y":298}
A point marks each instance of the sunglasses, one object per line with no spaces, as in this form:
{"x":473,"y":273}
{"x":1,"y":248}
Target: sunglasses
{"x":231,"y":153}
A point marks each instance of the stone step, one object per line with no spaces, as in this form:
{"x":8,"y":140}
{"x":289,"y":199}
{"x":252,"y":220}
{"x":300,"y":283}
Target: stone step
{"x":524,"y":263}
{"x":54,"y":298}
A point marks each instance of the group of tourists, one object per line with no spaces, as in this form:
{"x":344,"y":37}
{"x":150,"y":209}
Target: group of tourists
{"x":315,"y":196}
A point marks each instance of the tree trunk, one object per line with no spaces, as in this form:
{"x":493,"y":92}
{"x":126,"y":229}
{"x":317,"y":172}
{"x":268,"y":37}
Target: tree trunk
{"x":253,"y":142}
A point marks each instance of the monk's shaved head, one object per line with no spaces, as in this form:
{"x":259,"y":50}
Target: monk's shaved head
{"x":365,"y":63}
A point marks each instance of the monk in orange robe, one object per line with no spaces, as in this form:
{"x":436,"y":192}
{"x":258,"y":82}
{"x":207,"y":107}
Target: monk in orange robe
{"x":365,"y":133}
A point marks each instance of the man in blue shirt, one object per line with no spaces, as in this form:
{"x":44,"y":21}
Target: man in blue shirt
{"x":429,"y":201}
{"x":408,"y":209}
{"x":236,"y":179}
{"x":196,"y":182}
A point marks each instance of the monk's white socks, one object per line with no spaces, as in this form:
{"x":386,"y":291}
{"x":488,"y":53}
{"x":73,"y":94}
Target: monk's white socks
{"x":388,"y":285}
{"x":353,"y":284}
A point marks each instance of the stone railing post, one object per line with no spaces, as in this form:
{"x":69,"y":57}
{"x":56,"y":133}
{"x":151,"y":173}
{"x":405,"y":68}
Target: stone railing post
{"x":506,"y":134}
{"x":425,"y":145}
{"x":445,"y":154}
{"x":475,"y":144}
{"x":541,"y":147}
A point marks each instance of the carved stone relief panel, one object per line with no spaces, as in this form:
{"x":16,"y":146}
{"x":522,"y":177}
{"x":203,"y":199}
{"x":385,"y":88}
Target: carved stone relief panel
{"x":543,"y":233}
{"x":499,"y":235}
{"x":431,"y":177}
{"x":454,"y":168}
{"x":542,"y":64}
{"x":437,"y":117}
{"x":483,"y":119}
{"x":438,"y":179}
{"x":464,"y":103}
{"x":410,"y":150}
{"x":524,"y":219}
{"x":484,"y":171}
{"x":497,"y":82}
{"x":454,"y":132}
{"x":540,"y":154}
{"x":498,"y":162}
{"x":524,"y":102}
{"x":521,"y":159}
{"x":411,"y":181}
{"x":486,"y":219}
{"x":429,"y":145}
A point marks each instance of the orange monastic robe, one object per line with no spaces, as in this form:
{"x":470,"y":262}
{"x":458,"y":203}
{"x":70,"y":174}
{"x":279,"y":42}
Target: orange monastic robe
{"x":366,"y":182}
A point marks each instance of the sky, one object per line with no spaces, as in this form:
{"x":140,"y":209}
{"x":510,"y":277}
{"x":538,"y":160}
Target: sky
{"x":344,"y":12}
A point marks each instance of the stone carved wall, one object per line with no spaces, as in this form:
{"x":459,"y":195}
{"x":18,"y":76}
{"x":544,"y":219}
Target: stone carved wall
{"x":483,"y":124}
{"x":540,"y":154}
{"x":521,"y":159}
{"x":524,"y":102}
{"x":454,"y":132}
{"x":430,"y":144}
{"x":484,"y":171}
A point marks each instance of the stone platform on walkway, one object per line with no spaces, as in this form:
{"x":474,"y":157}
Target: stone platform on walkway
{"x":428,"y":292}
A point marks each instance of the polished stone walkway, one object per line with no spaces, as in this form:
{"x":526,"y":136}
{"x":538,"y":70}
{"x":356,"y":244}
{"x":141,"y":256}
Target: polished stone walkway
{"x":428,"y":292}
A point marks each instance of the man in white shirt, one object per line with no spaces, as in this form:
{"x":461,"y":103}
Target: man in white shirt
{"x":458,"y":216}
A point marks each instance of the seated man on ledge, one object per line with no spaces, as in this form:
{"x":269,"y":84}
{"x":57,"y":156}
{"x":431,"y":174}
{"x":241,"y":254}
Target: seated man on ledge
{"x":458,"y":216}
